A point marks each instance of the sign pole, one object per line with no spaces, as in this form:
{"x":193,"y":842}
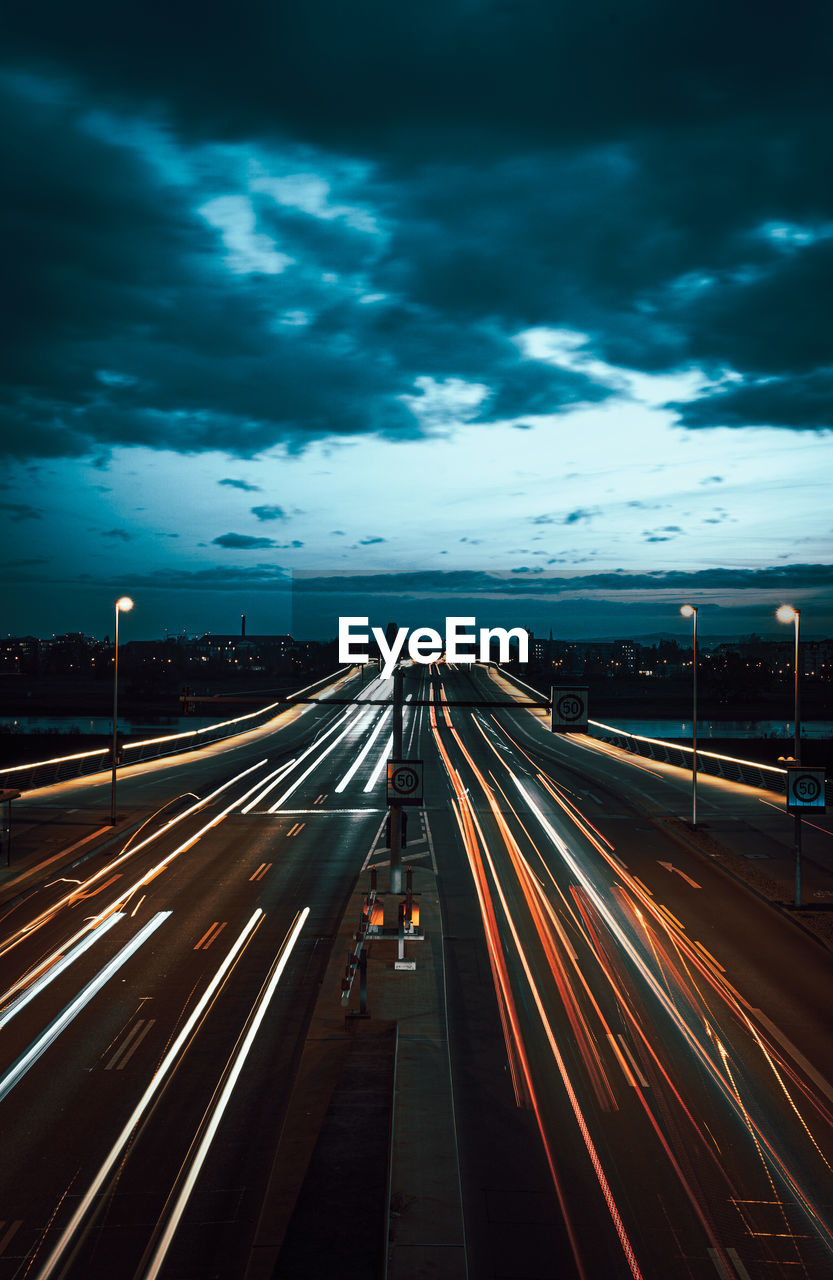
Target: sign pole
{"x":396,"y":809}
{"x":797,"y":859}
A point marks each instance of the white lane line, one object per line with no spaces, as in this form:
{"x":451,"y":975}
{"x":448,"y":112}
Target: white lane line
{"x":57,"y":969}
{"x":128,"y":1041}
{"x":52,"y":1032}
{"x":158,"y":1259}
{"x":363,"y":753}
{"x":632,"y":1060}
{"x":10,"y":1233}
{"x":115,"y":1154}
{"x":383,"y":759}
{"x":274,"y":808}
{"x":135,"y":1045}
{"x":718,"y":1265}
{"x":430,"y":843}
{"x":739,"y":1267}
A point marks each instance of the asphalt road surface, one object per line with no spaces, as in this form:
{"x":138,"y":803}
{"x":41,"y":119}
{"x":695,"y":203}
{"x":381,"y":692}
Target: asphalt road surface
{"x":641,"y":1050}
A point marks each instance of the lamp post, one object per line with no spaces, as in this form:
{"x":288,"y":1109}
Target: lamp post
{"x":787,"y":613}
{"x":123,"y":605}
{"x":690,"y":611}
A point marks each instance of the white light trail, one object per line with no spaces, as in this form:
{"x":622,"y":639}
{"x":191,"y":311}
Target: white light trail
{"x":50,"y":912}
{"x":383,"y":759}
{"x":52,"y":973}
{"x":364,"y":752}
{"x":182,"y":1199}
{"x":63,"y":1020}
{"x":296,"y":784}
{"x":156,"y":1082}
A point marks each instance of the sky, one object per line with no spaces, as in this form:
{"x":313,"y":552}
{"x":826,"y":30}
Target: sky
{"x":522,"y":308}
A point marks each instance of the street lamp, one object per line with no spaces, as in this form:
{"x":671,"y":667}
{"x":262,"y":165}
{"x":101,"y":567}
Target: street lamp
{"x":788,"y":613}
{"x":690,"y":611}
{"x":123,"y":605}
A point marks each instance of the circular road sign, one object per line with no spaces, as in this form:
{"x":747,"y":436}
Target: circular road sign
{"x":570,"y":707}
{"x":404,"y":780}
{"x":806,"y":788}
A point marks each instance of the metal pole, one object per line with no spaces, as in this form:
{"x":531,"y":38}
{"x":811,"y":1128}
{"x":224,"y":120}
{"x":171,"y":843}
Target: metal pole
{"x":797,"y":754}
{"x":797,"y":751}
{"x":694,"y":733}
{"x":396,"y":809}
{"x":115,"y":720}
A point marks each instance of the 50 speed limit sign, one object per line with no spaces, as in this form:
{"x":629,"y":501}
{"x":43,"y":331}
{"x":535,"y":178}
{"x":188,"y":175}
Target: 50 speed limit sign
{"x":805,"y":789}
{"x":404,"y":782}
{"x":569,"y":709}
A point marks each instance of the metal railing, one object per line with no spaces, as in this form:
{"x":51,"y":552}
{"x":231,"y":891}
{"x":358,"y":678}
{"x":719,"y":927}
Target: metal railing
{"x":45,"y":773}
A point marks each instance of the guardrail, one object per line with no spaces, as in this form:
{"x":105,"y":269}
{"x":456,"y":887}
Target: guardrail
{"x":45,"y":773}
{"x":734,"y":769}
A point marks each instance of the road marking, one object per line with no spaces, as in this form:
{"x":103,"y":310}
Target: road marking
{"x":669,"y":866}
{"x":211,"y":935}
{"x":135,"y":1045}
{"x":320,"y":799}
{"x":128,"y":1041}
{"x":718,"y":1265}
{"x":64,"y":1018}
{"x":138,"y":904}
{"x":632,"y":1060}
{"x":709,"y":956}
{"x":11,"y":1231}
{"x":739,"y":1267}
{"x":785,"y":1043}
{"x":671,"y":916}
{"x":430,"y":843}
{"x":261,"y":871}
{"x":295,"y":830}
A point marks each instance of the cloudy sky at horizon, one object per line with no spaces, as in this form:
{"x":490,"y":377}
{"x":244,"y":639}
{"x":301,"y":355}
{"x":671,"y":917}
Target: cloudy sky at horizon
{"x":538,"y":290}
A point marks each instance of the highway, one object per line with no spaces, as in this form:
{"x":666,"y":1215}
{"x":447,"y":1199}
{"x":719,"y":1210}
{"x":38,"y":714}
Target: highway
{"x":641,"y":1052}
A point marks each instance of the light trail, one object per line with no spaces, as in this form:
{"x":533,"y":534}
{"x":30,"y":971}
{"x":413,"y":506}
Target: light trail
{"x":58,"y":968}
{"x":725,"y":1085}
{"x":351,"y":714}
{"x":380,"y":765}
{"x":53,"y":1031}
{"x":211,"y":1121}
{"x":52,"y":911}
{"x":115,"y":1154}
{"x":341,"y":786}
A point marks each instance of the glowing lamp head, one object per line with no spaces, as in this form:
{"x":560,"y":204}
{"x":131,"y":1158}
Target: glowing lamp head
{"x":786,"y":613}
{"x":124,"y":605}
{"x":688,"y":610}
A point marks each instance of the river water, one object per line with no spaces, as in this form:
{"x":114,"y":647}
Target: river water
{"x":674,"y":729}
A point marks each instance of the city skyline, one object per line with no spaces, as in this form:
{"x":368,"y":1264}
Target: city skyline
{"x":553,"y":307}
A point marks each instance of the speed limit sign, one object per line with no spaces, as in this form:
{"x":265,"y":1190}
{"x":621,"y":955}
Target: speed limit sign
{"x":404,"y":782}
{"x":805,"y":789}
{"x":569,"y":709}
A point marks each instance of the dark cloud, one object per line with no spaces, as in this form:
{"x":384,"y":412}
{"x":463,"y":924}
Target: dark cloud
{"x":269,"y":513}
{"x":242,"y":542}
{"x":465,"y":582}
{"x":21,"y":511}
{"x":581,"y":513}
{"x":369,"y":542}
{"x":118,"y":535}
{"x":799,"y":402}
{"x":654,"y":178}
{"x":240,"y":484}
